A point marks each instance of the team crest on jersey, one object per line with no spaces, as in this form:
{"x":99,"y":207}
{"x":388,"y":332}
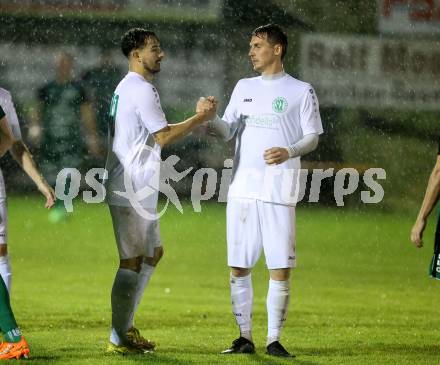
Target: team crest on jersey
{"x":279,"y":104}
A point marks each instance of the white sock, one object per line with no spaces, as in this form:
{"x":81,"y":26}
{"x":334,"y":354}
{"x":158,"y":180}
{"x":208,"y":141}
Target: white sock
{"x":241,"y":297}
{"x":143,"y":280}
{"x":123,"y":301}
{"x":278,"y":297}
{"x":5,"y":271}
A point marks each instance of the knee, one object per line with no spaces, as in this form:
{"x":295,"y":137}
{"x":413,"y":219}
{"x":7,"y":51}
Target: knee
{"x":3,"y":249}
{"x":280,"y":274}
{"x":134,"y":264}
{"x":239,"y":272}
{"x":158,"y":253}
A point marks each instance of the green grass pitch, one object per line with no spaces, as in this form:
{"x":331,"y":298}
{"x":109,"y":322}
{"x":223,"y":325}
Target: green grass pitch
{"x":361,"y":294}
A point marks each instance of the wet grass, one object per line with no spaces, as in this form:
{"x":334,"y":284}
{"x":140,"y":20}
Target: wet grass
{"x":361,"y":294}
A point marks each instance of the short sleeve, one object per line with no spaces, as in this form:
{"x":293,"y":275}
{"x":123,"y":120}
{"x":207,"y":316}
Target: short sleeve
{"x":149,"y":110}
{"x":231,"y":114}
{"x":11,"y":114}
{"x":309,"y":113}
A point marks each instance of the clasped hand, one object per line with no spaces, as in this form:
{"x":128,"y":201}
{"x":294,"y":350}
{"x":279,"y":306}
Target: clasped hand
{"x":207,"y":107}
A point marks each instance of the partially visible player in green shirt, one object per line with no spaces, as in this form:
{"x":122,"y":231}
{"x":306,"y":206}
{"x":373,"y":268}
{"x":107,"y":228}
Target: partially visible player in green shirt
{"x":99,"y":83}
{"x":63,"y":126}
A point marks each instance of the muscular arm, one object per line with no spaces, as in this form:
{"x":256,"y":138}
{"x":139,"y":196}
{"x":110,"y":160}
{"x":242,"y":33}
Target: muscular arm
{"x":205,"y":110}
{"x":174,"y":132}
{"x":432,"y":196}
{"x":21,"y":154}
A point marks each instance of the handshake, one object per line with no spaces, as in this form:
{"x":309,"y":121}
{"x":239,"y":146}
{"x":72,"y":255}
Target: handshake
{"x":207,"y":107}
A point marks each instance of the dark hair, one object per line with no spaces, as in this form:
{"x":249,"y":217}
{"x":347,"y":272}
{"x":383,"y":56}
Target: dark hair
{"x":135,"y":38}
{"x":274,"y":34}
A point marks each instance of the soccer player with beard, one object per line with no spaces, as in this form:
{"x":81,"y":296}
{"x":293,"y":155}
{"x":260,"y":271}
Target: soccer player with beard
{"x":276,"y":120}
{"x":138,"y":130}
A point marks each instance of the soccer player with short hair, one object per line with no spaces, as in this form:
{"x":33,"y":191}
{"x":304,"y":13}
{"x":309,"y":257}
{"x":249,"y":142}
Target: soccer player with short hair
{"x":276,"y":120}
{"x":21,"y":154}
{"x":138,"y":130}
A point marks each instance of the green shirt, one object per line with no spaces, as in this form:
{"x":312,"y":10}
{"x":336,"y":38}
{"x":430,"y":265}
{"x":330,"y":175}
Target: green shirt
{"x":62,"y":141}
{"x":99,"y":83}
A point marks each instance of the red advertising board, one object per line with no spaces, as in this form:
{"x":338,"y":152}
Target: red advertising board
{"x":409,"y":16}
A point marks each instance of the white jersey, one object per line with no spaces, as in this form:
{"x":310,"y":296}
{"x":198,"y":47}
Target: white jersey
{"x":133,"y":161}
{"x":268,"y":112}
{"x":11,"y":115}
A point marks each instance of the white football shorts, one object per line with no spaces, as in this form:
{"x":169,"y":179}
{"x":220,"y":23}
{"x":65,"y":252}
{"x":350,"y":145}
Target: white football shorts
{"x":3,"y":212}
{"x":253,"y":225}
{"x":135,"y":236}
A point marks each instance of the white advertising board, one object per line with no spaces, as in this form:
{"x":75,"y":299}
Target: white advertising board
{"x":356,"y":71}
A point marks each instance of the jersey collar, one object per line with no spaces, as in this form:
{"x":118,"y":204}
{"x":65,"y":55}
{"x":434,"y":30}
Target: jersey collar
{"x":276,"y":76}
{"x":135,"y":74}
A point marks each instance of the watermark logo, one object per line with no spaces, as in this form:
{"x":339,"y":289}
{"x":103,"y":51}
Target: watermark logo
{"x":279,"y":104}
{"x":147,"y":176}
